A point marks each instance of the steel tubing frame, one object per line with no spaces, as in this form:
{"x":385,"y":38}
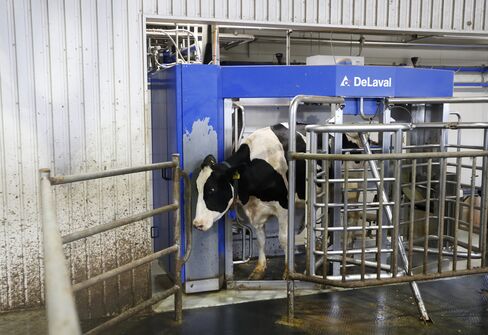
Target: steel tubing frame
{"x":60,"y":303}
{"x":394,"y":218}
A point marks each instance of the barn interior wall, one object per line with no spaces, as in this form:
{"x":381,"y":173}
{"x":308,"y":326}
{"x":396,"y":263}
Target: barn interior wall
{"x":72,"y":98}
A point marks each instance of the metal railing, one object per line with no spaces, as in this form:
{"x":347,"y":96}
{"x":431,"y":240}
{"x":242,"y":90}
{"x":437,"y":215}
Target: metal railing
{"x":391,"y":237}
{"x":60,"y":303}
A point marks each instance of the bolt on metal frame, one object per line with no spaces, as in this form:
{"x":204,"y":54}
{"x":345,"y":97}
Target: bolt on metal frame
{"x":417,"y":161}
{"x":60,"y":303}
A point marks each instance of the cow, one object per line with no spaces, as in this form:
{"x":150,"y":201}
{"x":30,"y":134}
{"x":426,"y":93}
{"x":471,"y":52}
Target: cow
{"x":262,"y":184}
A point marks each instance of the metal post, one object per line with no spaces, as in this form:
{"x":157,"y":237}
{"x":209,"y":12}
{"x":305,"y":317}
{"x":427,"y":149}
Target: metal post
{"x":484,"y":202}
{"x":215,"y":45}
{"x":389,"y":214}
{"x":291,"y":189}
{"x":60,"y":304}
{"x":177,"y":238}
{"x":288,"y":46}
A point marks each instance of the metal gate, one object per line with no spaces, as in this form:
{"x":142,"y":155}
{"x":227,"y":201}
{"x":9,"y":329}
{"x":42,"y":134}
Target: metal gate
{"x":408,"y":211}
{"x":60,"y":305}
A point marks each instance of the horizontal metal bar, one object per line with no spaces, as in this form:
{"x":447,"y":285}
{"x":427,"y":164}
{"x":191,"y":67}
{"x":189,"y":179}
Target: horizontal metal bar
{"x":319,"y":99}
{"x":357,"y":127}
{"x":465,"y":166}
{"x":447,"y":253}
{"x":446,"y":100}
{"x":352,"y":251}
{"x":354,"y":204}
{"x":353,"y":228}
{"x":58,"y":180}
{"x":267,"y":285}
{"x":354,"y":277}
{"x":126,"y":267}
{"x":78,"y":235}
{"x":384,"y":267}
{"x":450,"y":125}
{"x":394,"y":280}
{"x":464,"y":146}
{"x":352,"y":180}
{"x":392,"y":156}
{"x":134,"y":310}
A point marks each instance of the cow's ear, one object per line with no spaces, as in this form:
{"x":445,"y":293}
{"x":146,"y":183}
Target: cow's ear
{"x":209,"y":161}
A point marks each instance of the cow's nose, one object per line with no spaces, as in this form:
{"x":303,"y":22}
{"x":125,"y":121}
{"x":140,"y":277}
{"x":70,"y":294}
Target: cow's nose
{"x":198,"y":225}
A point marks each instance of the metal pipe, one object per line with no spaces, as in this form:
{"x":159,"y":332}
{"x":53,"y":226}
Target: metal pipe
{"x":132,"y":311}
{"x":188,"y":219}
{"x":357,"y":127}
{"x":58,"y":180}
{"x":177,"y":239}
{"x":353,"y":228}
{"x":393,"y":280}
{"x":288,"y":46}
{"x":395,"y":217}
{"x":291,"y":187}
{"x":432,"y":100}
{"x":121,"y":269}
{"x":392,"y":156}
{"x":60,"y":303}
{"x":215,"y":45}
{"x":78,"y":235}
{"x":354,"y":251}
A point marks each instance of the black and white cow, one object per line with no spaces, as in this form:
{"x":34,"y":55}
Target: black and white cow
{"x":262,"y":188}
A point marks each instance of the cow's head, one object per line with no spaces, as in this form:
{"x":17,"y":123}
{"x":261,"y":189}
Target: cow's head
{"x":215,"y":193}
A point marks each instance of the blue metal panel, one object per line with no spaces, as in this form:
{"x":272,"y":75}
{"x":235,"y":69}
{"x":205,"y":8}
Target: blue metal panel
{"x":277,"y":81}
{"x":423,"y":83}
{"x":164,"y":107}
{"x":347,"y":81}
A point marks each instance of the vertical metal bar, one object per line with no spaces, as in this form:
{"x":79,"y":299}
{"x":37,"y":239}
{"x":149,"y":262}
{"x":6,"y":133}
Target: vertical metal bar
{"x":363,"y":232}
{"x":325,"y":215}
{"x":215,"y":45}
{"x":177,"y":238}
{"x":412,"y":216}
{"x":310,"y":216}
{"x":336,"y":189}
{"x":427,"y":214}
{"x":288,"y":47}
{"x":290,"y":285}
{"x":471,"y":211}
{"x":456,"y":213}
{"x":397,"y":243}
{"x":379,"y":234}
{"x":60,"y":304}
{"x":484,"y":202}
{"x":344,"y":220}
{"x":442,"y":199}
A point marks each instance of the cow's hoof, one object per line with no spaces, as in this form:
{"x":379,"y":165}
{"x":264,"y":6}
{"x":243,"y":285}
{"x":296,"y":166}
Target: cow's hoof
{"x":285,"y":273}
{"x":257,"y":274}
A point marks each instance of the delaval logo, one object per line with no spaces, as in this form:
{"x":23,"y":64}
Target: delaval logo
{"x":366,"y":82}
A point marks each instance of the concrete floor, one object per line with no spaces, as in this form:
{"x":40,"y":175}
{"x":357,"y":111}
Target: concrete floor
{"x":457,"y":306}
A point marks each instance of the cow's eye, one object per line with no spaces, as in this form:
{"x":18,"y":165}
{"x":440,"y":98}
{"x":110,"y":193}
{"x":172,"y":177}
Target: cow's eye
{"x":211,"y":190}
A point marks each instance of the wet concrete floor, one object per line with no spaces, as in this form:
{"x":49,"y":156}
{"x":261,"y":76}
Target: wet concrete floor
{"x":457,"y":306}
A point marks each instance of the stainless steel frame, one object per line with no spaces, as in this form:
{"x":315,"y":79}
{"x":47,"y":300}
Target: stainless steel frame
{"x":428,"y":171}
{"x":60,"y":304}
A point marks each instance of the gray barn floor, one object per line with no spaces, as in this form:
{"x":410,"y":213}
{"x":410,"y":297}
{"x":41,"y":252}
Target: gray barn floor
{"x":457,"y":306}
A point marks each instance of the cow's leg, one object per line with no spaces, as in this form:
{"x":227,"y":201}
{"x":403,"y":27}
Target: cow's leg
{"x":259,"y":270}
{"x":283,"y":236}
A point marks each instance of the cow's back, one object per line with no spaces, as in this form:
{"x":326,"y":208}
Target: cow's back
{"x":271,"y":144}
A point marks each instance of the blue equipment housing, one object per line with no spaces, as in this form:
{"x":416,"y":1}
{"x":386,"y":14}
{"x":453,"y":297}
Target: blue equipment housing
{"x":187,"y":97}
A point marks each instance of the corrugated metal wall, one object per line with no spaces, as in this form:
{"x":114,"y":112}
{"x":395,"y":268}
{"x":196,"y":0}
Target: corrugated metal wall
{"x":72,"y":99}
{"x":413,"y":15}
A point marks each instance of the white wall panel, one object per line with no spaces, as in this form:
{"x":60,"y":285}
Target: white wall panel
{"x":72,"y":99}
{"x":400,"y":15}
